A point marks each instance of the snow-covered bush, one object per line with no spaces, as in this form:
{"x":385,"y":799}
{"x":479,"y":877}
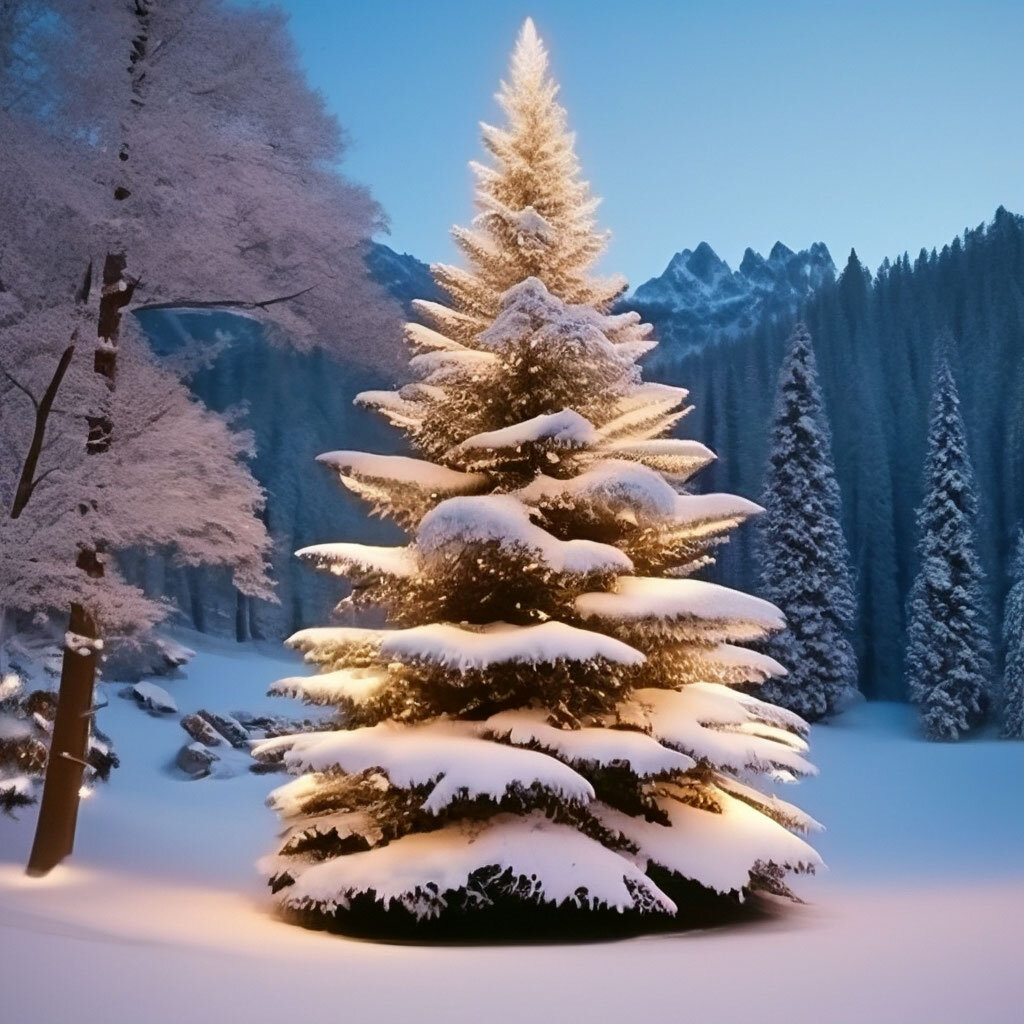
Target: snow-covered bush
{"x":551,"y":727}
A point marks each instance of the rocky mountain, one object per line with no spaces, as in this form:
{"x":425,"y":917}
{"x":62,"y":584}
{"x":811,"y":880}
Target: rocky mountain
{"x":699,"y":299}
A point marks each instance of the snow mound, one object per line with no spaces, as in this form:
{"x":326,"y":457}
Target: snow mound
{"x":503,"y":519}
{"x":462,"y":762}
{"x":589,"y":746}
{"x":636,"y":598}
{"x":718,"y":850}
{"x":417,"y":870}
{"x":152,"y":697}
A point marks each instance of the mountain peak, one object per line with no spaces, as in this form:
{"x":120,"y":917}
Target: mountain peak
{"x":699,"y":299}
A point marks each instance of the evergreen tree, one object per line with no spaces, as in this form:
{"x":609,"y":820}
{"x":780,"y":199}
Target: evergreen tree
{"x":1013,"y":638}
{"x":549,"y":727}
{"x":804,"y":560}
{"x":948,"y":651}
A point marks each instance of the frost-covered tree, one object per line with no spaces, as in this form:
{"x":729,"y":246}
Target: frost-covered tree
{"x":552,"y":723}
{"x":804,"y":559}
{"x":1013,"y":639}
{"x":948,"y":652}
{"x":158,"y":154}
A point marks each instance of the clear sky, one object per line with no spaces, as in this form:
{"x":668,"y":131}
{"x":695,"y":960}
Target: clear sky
{"x":881,"y":125}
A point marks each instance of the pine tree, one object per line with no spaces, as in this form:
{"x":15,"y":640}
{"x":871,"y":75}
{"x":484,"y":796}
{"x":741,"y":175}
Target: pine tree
{"x":1013,"y":638}
{"x":804,"y":559}
{"x":948,"y":651}
{"x":548,"y":729}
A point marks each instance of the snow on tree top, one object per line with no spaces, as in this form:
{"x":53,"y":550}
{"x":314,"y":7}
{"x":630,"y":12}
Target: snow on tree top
{"x":343,"y":558}
{"x":559,"y":860}
{"x":416,"y":472}
{"x":505,"y":520}
{"x":530,"y":311}
{"x":566,"y":428}
{"x":589,"y":746}
{"x":642,"y":597}
{"x":716,"y":850}
{"x":462,"y":762}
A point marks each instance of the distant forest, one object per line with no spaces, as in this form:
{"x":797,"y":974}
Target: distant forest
{"x":875,"y":339}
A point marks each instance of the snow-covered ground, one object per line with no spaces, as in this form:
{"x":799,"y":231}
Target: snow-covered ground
{"x":160,"y":917}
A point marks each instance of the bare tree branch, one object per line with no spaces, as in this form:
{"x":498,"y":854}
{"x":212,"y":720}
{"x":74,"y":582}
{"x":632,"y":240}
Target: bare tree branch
{"x":28,"y":481}
{"x":185,"y":304}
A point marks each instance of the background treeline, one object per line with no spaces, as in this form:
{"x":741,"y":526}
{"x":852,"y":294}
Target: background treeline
{"x":875,"y":339}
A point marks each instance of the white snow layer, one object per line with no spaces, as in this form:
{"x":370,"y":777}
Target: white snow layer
{"x":718,"y":850}
{"x":558,"y":859}
{"x":623,"y":485}
{"x":504,"y":519}
{"x":566,"y":428}
{"x":343,"y":558}
{"x":354,"y":685}
{"x":427,"y":476}
{"x":636,"y":598}
{"x":415,"y":755}
{"x":464,"y":649}
{"x":589,"y":746}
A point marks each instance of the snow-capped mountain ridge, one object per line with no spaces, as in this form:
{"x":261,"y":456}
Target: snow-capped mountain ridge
{"x":700,"y":299}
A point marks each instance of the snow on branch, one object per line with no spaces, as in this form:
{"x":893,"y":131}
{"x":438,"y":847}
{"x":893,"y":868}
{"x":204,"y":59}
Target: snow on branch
{"x":502,"y":519}
{"x":718,"y":850}
{"x":344,"y":559}
{"x":343,"y":686}
{"x":418,"y":871}
{"x":640,"y":598}
{"x":446,"y":752}
{"x":566,"y":428}
{"x":589,"y":746}
{"x":713,"y":724}
{"x":465,"y":649}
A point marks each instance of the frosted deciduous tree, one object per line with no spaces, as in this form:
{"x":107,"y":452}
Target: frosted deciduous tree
{"x":177,"y":160}
{"x":1013,"y":639}
{"x":948,"y":653}
{"x":804,"y":559}
{"x":551,"y":723}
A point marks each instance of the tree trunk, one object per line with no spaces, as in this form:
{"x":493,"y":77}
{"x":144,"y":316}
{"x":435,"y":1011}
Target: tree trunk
{"x":69,"y":748}
{"x":58,"y":810}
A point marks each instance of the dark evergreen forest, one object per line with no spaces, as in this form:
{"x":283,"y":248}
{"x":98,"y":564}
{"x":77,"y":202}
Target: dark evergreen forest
{"x":875,"y":337}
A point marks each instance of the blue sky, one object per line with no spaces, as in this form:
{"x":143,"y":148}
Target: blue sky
{"x":885,"y":126}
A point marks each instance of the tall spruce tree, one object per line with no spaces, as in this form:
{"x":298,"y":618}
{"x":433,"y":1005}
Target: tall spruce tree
{"x":1013,"y":639}
{"x":804,"y":559}
{"x":948,"y":652}
{"x":549,"y":728}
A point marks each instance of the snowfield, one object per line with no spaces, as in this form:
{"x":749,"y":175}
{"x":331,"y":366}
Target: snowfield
{"x":161,"y":916}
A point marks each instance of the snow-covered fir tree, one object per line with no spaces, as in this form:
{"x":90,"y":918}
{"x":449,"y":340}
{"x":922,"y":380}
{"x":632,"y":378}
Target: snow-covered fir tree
{"x":1013,"y":639}
{"x":948,"y":659}
{"x":804,"y":559}
{"x":554,"y":722}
